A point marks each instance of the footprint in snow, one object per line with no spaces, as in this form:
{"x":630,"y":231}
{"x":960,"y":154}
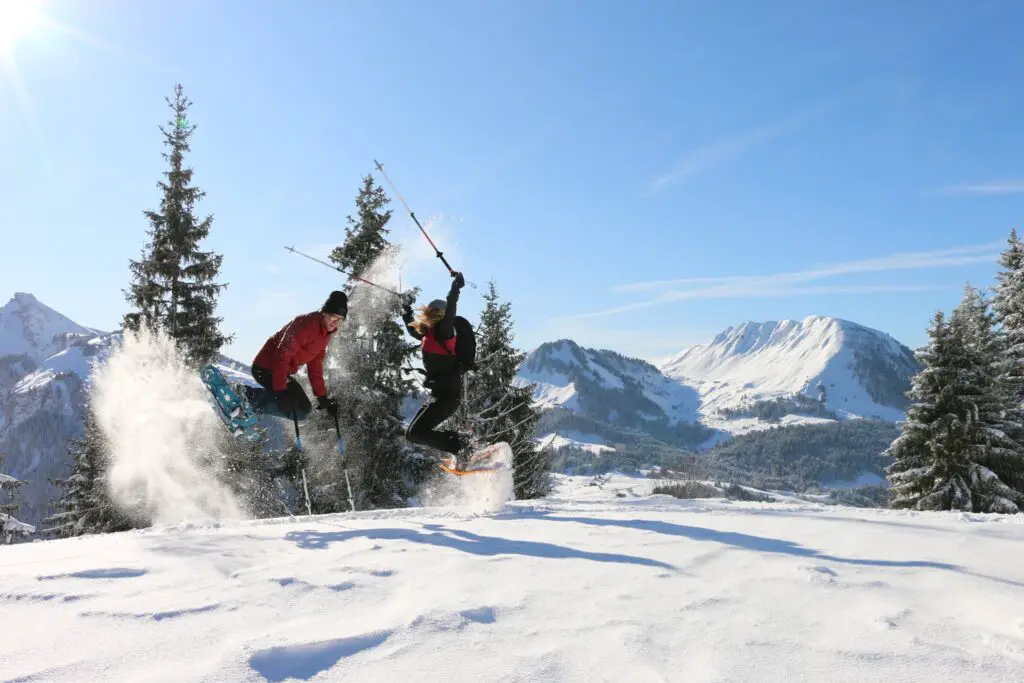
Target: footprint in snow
{"x":455,"y":621}
{"x":43,"y":597}
{"x":820,"y":574}
{"x":307,"y":586}
{"x":306,"y":660}
{"x":155,"y":616}
{"x":481,"y":615}
{"x":893,"y":621}
{"x":107,"y":573}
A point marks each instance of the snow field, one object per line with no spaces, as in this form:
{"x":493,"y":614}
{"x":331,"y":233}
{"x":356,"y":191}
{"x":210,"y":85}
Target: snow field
{"x":582,"y":586}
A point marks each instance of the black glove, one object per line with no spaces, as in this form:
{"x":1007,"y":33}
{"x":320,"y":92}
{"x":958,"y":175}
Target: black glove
{"x":328,"y":404}
{"x":407,"y":302}
{"x":285,"y":401}
{"x":459,"y":282}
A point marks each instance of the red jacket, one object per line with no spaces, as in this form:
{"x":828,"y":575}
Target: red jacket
{"x":303,"y":341}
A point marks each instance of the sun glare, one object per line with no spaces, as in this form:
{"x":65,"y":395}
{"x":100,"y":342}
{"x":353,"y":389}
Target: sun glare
{"x":18,"y":18}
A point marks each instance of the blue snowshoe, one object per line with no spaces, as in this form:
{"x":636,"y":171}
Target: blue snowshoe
{"x":232,"y":407}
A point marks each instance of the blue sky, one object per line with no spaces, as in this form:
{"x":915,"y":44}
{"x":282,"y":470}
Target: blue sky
{"x":635,"y":176}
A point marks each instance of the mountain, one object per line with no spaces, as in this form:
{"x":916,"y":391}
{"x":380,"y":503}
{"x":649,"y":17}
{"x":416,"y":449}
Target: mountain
{"x":827,"y":366}
{"x":607,"y":388}
{"x":749,"y":377}
{"x":600,"y":581}
{"x":29,"y":328}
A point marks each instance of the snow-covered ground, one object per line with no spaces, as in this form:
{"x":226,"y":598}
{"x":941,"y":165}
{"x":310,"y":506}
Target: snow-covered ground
{"x":595,"y":583}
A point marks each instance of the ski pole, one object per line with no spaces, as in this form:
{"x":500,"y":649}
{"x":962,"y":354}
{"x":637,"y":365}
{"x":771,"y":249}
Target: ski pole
{"x":295,"y":420}
{"x":343,"y":272}
{"x":341,"y":442}
{"x":398,"y":194}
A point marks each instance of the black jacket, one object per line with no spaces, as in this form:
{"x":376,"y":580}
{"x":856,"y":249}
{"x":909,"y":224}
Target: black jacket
{"x":439,"y":366}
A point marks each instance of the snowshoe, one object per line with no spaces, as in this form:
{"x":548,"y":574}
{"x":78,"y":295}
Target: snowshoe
{"x":492,"y":458}
{"x":233,"y":409}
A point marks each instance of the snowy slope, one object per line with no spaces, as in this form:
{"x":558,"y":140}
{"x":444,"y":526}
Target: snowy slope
{"x":863,"y":372}
{"x":581,"y":587}
{"x":28,"y":327}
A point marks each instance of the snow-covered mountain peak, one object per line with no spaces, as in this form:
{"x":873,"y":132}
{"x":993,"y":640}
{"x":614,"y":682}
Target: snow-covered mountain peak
{"x":853,"y":369}
{"x":607,"y":386}
{"x":29,"y":327}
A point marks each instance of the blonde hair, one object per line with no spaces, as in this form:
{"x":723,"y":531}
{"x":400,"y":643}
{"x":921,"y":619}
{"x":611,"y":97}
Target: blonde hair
{"x":428,"y":318}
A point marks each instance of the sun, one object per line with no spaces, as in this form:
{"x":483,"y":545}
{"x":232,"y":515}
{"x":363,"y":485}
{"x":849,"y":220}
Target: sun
{"x":18,"y":18}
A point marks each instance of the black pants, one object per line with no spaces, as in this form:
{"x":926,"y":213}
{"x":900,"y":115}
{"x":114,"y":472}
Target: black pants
{"x":445,"y":397}
{"x":263,"y":401}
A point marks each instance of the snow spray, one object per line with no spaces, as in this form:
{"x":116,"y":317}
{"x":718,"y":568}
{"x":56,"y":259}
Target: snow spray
{"x":480,"y":492}
{"x":161,"y":432}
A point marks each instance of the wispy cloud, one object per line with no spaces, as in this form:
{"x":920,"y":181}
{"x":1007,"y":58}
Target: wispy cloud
{"x":780,"y":285}
{"x":954,"y":256}
{"x":997,"y":187}
{"x":723,"y":151}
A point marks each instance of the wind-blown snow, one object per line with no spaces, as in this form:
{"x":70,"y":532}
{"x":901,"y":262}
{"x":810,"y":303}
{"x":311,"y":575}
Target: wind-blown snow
{"x":759,"y":361}
{"x":161,"y":432}
{"x":581,"y":587}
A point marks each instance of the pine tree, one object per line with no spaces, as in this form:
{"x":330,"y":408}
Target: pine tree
{"x":1008,"y":309}
{"x":10,"y":527}
{"x":365,"y":236}
{"x":174,"y":282}
{"x":951,"y":436}
{"x":369,"y":351}
{"x":998,"y":410}
{"x":495,"y":408}
{"x":85,"y":506}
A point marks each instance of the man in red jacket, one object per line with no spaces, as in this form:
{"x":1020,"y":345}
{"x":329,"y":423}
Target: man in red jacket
{"x":303,"y":341}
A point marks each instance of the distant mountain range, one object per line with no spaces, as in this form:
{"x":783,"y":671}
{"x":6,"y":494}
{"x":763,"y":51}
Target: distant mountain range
{"x":753,"y":376}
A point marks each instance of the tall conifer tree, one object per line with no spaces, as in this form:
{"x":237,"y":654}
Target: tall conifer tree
{"x":369,"y":352}
{"x":953,"y":437}
{"x":174,"y":282}
{"x":496,"y":408}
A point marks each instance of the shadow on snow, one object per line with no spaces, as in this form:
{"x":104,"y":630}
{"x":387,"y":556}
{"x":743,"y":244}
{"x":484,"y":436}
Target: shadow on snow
{"x":467,"y":542}
{"x":761,"y":544}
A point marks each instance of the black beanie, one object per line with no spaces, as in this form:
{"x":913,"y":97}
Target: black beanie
{"x":336,"y":303}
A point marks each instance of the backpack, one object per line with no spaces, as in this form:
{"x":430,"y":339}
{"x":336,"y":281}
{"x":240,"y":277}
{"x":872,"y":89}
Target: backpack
{"x":465,"y":344}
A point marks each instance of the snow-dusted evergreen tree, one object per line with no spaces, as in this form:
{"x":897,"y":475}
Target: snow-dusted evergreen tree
{"x":1008,"y":309}
{"x":998,"y":411}
{"x":952,"y":433}
{"x":370,"y":349}
{"x":85,"y":505}
{"x":495,"y":408}
{"x":10,"y":527}
{"x":174,"y":283}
